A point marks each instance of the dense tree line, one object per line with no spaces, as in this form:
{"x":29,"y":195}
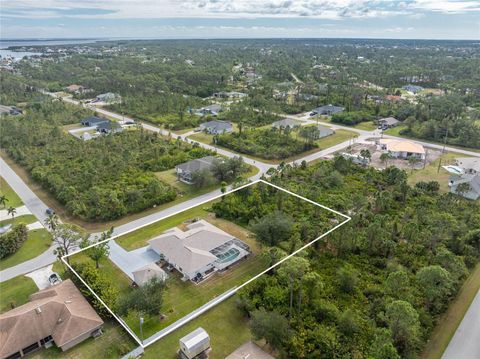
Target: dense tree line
{"x":265,"y":143}
{"x":101,"y":179}
{"x":11,"y":241}
{"x":373,"y":288}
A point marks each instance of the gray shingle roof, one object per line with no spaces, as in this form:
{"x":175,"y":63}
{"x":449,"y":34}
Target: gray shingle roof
{"x":197,"y":164}
{"x":216,"y":126}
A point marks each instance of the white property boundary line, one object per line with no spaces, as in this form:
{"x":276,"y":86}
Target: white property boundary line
{"x":222,"y":296}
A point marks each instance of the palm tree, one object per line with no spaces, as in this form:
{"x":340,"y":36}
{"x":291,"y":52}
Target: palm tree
{"x":385,"y":157}
{"x":12,"y":211}
{"x":3,"y":200}
{"x":51,"y":221}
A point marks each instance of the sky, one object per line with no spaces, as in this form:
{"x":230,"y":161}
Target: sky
{"x":409,"y":19}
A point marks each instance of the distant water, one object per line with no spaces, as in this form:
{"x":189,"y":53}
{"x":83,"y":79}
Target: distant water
{"x":4,"y":44}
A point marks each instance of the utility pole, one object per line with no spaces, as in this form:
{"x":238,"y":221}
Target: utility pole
{"x":141,"y":329}
{"x":443,"y":150}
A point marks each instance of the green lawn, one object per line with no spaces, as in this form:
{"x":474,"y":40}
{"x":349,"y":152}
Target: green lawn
{"x":181,"y":298}
{"x":367,"y":126}
{"x":6,"y":190}
{"x":114,"y":343}
{"x":338,"y":137}
{"x":26,"y":219}
{"x":429,"y":173}
{"x":140,"y":237}
{"x":37,"y":242}
{"x":225,"y":323}
{"x":15,"y":292}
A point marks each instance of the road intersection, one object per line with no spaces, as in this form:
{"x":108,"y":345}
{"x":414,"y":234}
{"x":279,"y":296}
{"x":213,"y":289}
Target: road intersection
{"x":38,"y":207}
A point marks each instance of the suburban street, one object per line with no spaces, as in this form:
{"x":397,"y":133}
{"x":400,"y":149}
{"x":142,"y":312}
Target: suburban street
{"x":465,"y":343}
{"x":465,"y":339}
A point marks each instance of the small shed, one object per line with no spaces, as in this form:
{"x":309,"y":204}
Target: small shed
{"x":144,"y":274}
{"x":194,"y":344}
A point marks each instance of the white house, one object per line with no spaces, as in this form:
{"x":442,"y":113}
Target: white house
{"x":199,"y":251}
{"x":194,"y":344}
{"x":402,"y":148}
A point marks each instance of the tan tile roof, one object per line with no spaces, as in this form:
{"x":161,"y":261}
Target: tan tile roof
{"x":402,"y":146}
{"x":60,"y":311}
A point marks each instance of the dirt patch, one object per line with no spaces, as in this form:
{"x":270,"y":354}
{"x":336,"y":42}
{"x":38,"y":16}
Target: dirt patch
{"x":431,"y":156}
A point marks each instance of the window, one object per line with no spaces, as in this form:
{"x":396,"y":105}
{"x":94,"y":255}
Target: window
{"x":30,"y":348}
{"x":46,"y":340}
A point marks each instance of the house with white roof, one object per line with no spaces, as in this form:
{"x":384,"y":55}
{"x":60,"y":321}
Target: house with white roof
{"x":199,"y":251}
{"x":403,"y":149}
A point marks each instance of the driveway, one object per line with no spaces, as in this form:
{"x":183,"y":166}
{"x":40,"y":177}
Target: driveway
{"x":20,"y":211}
{"x":465,"y":343}
{"x":40,"y":276}
{"x":133,"y":260}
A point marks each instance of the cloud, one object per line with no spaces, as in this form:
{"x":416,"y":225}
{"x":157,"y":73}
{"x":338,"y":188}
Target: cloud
{"x":447,"y":6}
{"x":322,"y":9}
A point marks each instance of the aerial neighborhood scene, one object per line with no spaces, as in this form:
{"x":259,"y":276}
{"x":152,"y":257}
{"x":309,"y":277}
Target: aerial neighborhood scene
{"x":240,"y":179}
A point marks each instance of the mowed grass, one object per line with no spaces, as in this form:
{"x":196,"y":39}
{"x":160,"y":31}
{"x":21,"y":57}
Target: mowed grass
{"x":140,"y":237}
{"x":15,"y":292}
{"x":25,"y":219}
{"x":338,"y":137}
{"x":429,"y":173}
{"x":366,"y":126}
{"x":227,"y":327}
{"x":38,"y":241}
{"x":12,"y":198}
{"x":181,"y":298}
{"x":448,"y":323}
{"x":113,"y":343}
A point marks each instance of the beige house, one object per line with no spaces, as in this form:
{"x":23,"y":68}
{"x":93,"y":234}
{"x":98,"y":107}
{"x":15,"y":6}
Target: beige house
{"x":200,"y":250}
{"x":402,"y":148}
{"x":59,"y":314}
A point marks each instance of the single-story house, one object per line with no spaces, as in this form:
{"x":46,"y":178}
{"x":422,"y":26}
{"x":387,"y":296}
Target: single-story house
{"x":388,"y":122}
{"x":74,"y":88}
{"x":144,"y":274}
{"x":109,"y":127}
{"x":393,"y":98}
{"x":59,"y":314}
{"x":216,"y":127}
{"x":108,"y":97}
{"x":232,"y":94}
{"x":93,"y":121}
{"x":473,"y":181}
{"x":324,"y":131}
{"x":199,"y":251}
{"x":249,"y":350}
{"x":327,"y":110}
{"x":413,"y":88}
{"x":286,"y":122}
{"x":402,"y":148}
{"x":186,"y":170}
{"x":213,"y":110}
{"x":469,"y":165}
{"x":10,"y":110}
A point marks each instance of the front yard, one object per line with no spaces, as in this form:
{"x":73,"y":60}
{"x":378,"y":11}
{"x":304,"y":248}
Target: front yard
{"x":15,"y":292}
{"x":12,"y":198}
{"x":38,"y":241}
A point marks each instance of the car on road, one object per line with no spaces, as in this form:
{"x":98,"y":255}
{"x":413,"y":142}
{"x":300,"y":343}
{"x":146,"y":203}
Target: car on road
{"x":50,"y":211}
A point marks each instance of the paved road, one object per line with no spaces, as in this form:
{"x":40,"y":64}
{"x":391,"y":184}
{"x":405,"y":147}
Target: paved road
{"x":34,"y":204}
{"x":37,"y":207}
{"x":465,"y":343}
